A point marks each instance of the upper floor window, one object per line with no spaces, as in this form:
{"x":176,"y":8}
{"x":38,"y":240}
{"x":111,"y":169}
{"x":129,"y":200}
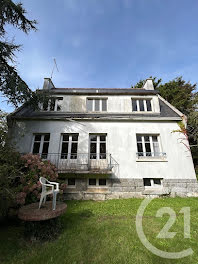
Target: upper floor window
{"x":53,"y":104}
{"x":41,"y":145}
{"x":141,"y":105}
{"x":148,"y":146}
{"x":69,"y":146}
{"x":96,"y":105}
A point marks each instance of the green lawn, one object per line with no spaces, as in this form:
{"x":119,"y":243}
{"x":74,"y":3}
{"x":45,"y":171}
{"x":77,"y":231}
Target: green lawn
{"x":105,"y":232}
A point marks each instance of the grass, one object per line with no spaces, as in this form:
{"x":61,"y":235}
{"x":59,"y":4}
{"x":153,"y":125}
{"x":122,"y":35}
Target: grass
{"x":105,"y":232}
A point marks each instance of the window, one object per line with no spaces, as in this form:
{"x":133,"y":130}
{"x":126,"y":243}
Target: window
{"x":92,"y":181}
{"x":53,"y":104}
{"x":152,"y":183}
{"x":96,"y":105}
{"x":41,"y":144}
{"x":97,"y":182}
{"x":141,"y":105}
{"x":69,"y":146}
{"x":71,"y":181}
{"x":102,"y":182}
{"x":148,"y":145}
{"x":97,"y":146}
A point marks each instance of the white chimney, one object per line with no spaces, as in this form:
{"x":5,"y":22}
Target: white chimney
{"x":148,"y":84}
{"x":48,"y":84}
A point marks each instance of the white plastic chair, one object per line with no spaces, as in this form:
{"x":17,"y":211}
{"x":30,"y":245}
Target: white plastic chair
{"x":54,"y":190}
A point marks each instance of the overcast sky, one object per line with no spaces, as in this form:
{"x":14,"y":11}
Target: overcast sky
{"x":108,"y":43}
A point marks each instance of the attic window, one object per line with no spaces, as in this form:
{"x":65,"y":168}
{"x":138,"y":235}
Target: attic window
{"x":53,"y":104}
{"x":141,"y":105}
{"x":96,"y":104}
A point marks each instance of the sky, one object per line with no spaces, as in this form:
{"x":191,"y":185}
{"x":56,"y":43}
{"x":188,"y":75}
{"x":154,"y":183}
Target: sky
{"x":107,"y":43}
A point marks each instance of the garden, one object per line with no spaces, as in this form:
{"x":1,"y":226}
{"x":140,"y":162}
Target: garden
{"x":104,"y":232}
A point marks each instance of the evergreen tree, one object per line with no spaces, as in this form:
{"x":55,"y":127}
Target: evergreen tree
{"x":11,"y":84}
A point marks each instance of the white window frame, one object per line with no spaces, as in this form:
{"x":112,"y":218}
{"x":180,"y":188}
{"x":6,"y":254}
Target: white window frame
{"x":69,"y":145}
{"x":144,"y":99}
{"x":97,"y":184}
{"x":100,"y":104}
{"x":97,"y":145}
{"x":71,"y":186}
{"x":151,"y":145}
{"x":41,"y":142}
{"x":154,"y":186}
{"x":57,"y":102}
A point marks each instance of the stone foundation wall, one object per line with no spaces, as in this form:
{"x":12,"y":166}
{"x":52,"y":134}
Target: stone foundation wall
{"x":130,"y":188}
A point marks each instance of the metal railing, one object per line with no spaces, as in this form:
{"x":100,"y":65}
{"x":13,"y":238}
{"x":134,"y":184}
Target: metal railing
{"x":151,"y":155}
{"x":81,"y":162}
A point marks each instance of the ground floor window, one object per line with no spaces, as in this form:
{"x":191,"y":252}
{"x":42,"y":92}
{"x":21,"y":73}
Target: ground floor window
{"x":153,"y":183}
{"x":97,"y":182}
{"x":71,"y":181}
{"x":41,"y":145}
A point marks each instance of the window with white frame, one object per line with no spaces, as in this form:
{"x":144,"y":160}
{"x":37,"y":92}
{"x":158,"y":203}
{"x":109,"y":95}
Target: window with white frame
{"x":97,"y":146}
{"x":148,"y":146}
{"x":152,"y":183}
{"x":96,"y":104}
{"x":141,"y":105}
{"x":69,"y":146}
{"x":41,"y":145}
{"x":97,"y":182}
{"x":53,"y":104}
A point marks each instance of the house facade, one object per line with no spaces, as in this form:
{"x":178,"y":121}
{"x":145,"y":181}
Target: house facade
{"x":108,"y":143}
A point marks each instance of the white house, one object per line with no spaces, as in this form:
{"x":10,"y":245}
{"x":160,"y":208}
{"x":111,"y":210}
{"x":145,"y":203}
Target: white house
{"x":108,"y":143}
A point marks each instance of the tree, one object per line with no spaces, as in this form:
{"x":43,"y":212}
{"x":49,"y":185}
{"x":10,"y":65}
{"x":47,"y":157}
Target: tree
{"x":179,"y":93}
{"x":3,"y":129}
{"x":11,"y":84}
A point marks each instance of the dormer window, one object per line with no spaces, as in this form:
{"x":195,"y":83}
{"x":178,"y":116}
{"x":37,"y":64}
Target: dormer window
{"x":53,"y":104}
{"x":141,"y":105}
{"x":96,"y":104}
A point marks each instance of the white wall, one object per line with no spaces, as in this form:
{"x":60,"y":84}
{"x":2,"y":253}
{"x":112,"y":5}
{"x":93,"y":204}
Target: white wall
{"x":121,"y":143}
{"x":115,"y":104}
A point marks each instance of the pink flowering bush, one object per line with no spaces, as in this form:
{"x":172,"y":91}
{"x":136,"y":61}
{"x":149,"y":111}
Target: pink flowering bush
{"x":19,"y":179}
{"x":29,"y":187}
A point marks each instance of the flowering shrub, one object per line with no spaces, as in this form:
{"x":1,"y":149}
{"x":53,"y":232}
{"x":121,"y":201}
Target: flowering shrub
{"x":29,"y":188}
{"x":19,"y":179}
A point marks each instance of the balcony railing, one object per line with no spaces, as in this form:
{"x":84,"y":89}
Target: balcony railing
{"x":81,"y":162}
{"x":151,"y":155}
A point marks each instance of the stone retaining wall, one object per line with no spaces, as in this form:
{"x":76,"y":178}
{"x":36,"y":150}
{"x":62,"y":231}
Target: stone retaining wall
{"x":130,"y":188}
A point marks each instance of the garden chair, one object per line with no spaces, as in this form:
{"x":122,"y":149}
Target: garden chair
{"x":54,"y":190}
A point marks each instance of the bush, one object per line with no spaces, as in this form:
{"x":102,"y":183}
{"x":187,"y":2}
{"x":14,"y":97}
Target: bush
{"x":19,"y":178}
